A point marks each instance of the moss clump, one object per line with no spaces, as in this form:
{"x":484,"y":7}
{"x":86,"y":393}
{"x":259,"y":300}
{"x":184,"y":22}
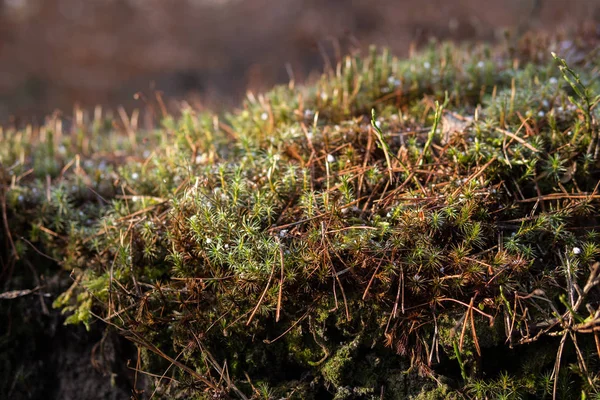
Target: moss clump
{"x":400,"y":220}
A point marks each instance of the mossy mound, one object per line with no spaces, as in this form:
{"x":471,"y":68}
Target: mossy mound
{"x":418,"y":228}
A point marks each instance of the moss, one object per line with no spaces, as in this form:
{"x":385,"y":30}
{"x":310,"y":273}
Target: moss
{"x":339,"y":364}
{"x":393,"y":225}
{"x":441,"y":392}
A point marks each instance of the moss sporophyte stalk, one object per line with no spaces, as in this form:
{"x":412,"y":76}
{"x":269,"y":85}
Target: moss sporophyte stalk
{"x":419,"y":228}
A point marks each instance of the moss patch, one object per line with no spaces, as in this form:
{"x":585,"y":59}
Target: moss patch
{"x":383,"y":232}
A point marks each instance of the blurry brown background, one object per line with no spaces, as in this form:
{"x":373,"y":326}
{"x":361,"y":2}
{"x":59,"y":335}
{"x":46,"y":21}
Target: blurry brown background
{"x":55,"y":53}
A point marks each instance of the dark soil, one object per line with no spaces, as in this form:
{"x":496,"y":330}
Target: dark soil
{"x":41,"y":358}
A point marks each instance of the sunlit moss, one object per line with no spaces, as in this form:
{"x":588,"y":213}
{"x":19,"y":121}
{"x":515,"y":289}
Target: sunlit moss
{"x":400,"y":219}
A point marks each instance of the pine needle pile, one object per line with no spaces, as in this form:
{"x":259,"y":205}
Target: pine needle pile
{"x":420,"y":228}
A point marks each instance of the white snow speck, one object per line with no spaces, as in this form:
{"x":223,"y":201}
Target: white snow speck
{"x":576,"y":250}
{"x":135,"y":176}
{"x":553,"y":81}
{"x":426,"y":65}
{"x":330,"y":158}
{"x":264,"y":116}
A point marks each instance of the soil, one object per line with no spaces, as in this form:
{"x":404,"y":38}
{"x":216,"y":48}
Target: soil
{"x":41,"y":358}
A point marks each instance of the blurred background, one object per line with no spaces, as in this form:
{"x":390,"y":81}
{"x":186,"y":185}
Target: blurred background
{"x":58,"y":53}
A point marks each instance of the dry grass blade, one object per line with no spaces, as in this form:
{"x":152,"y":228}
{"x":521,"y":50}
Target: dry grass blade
{"x":278,"y":313}
{"x":518,"y":139}
{"x":5,"y":222}
{"x":262,"y":296}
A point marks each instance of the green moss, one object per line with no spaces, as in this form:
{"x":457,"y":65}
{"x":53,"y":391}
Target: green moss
{"x":337,"y":368}
{"x":439,"y":393}
{"x":394,"y":220}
